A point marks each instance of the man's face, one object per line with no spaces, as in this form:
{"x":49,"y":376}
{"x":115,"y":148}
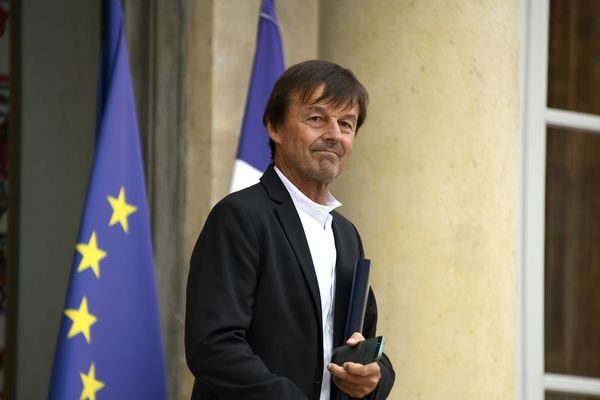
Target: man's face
{"x":315,"y":142}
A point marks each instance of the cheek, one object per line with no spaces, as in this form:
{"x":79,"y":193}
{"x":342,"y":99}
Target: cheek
{"x":347,"y":144}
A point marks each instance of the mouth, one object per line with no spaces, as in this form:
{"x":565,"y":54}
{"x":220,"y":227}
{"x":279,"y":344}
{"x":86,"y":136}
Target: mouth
{"x":329,"y":151}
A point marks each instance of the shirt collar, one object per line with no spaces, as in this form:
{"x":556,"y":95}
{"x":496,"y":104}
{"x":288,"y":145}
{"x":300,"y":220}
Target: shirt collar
{"x":320,"y":212}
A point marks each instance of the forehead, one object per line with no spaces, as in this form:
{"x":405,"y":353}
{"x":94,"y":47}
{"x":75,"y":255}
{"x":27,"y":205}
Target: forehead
{"x":315,"y":100}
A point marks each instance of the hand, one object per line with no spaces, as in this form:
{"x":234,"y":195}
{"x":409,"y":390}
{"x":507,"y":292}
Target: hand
{"x":354,"y":379}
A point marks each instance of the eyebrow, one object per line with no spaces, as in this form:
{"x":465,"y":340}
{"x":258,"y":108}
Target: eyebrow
{"x":317,"y":107}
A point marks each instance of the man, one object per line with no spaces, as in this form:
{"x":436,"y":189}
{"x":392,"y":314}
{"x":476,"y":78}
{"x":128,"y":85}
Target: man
{"x":271,"y":273}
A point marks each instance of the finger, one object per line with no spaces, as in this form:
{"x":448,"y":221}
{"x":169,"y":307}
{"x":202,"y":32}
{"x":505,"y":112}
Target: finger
{"x":355,"y":338}
{"x":352,"y":372}
{"x":348,"y":386}
{"x":354,"y":389}
{"x":337,"y":371}
{"x":362,"y":370}
{"x":355,"y":385}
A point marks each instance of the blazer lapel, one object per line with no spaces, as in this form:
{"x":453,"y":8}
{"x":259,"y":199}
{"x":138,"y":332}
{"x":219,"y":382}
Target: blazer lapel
{"x":292,"y":226}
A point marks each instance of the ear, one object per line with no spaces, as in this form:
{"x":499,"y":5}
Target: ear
{"x":273,"y":133}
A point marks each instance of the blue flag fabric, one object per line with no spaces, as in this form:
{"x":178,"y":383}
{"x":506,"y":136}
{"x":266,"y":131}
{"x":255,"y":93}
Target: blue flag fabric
{"x":253,"y":154}
{"x":109,"y":345}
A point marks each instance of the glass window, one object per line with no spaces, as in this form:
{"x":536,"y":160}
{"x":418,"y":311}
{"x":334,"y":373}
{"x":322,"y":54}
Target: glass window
{"x":572,"y":253}
{"x":574,"y":56}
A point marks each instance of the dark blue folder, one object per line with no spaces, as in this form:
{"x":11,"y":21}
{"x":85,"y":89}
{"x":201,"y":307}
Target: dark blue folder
{"x":358,"y":297}
{"x":357,"y":303}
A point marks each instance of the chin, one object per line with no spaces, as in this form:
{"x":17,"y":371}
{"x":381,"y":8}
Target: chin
{"x":325,"y":171}
{"x":327,"y":175}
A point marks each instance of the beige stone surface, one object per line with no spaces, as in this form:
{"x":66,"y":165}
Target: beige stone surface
{"x":432,"y":185}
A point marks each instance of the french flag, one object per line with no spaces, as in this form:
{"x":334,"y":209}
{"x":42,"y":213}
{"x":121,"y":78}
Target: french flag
{"x":253,"y":155}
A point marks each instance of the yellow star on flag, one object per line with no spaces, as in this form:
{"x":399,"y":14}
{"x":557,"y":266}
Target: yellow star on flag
{"x":90,"y":384}
{"x":121,"y":210}
{"x":82,"y":320}
{"x":91,"y":255}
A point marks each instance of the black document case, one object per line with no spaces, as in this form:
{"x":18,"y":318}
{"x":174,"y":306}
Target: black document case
{"x":358,"y":297}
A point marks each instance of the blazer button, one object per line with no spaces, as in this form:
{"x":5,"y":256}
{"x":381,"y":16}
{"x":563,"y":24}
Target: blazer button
{"x":318,"y":381}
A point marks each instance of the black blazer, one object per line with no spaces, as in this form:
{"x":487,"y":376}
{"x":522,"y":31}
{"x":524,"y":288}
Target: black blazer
{"x":253,"y":325}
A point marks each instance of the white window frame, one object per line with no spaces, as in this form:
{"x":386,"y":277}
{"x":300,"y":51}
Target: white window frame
{"x":532,"y":381}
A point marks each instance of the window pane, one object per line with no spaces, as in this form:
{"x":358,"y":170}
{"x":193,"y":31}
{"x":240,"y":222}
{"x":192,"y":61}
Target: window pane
{"x":572,"y":252}
{"x":566,"y":396}
{"x":574,"y":56}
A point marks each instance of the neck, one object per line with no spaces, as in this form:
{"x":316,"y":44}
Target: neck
{"x":316,"y":191}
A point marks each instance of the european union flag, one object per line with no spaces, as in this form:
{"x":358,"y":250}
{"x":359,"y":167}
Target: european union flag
{"x":109,"y":344}
{"x":253,"y":154}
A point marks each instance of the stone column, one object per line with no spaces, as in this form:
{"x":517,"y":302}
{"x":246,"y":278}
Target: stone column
{"x":433,"y":183}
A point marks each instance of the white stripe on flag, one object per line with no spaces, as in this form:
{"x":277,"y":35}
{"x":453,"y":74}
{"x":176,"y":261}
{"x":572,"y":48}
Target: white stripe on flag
{"x":244,"y":175}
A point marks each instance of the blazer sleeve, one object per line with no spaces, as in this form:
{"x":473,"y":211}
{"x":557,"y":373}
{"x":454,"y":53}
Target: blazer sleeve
{"x":387,"y":370}
{"x":223,"y":273}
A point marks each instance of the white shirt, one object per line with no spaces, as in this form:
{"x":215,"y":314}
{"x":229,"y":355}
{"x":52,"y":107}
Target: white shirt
{"x":316,"y":221}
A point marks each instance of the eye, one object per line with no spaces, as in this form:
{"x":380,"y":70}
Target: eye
{"x":315,"y":118}
{"x":346,"y":125}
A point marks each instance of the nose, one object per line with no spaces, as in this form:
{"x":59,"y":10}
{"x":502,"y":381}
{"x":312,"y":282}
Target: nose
{"x":333,"y":132}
